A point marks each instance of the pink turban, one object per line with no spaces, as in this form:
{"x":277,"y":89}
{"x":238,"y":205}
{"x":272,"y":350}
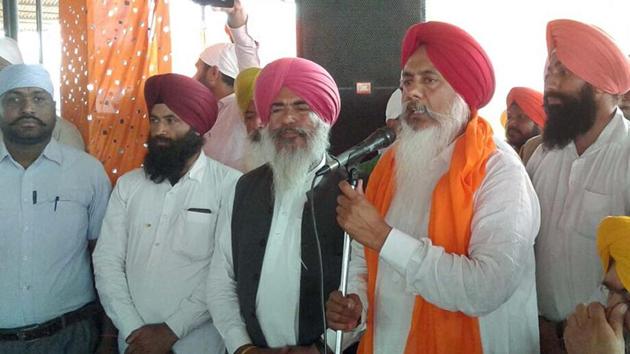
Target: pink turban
{"x":590,"y":54}
{"x":530,"y":102}
{"x":308,"y":80}
{"x":190,"y":100}
{"x":457,"y":56}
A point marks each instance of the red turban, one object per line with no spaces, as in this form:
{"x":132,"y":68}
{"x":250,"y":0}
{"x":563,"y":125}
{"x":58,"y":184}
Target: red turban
{"x":590,"y":54}
{"x":457,"y":56}
{"x":530,"y":102}
{"x":190,"y":100}
{"x":308,"y":80}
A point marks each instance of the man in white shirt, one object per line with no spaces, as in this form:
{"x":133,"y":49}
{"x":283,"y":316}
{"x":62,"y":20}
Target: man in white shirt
{"x":264,"y":285}
{"x":217,"y":68}
{"x":445,"y":260}
{"x":152,"y":260}
{"x":581,"y":171}
{"x":53,"y":201}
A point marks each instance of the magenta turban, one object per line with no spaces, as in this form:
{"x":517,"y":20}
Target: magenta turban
{"x":590,"y":54}
{"x":308,"y":80}
{"x":457,"y":56}
{"x":190,"y":100}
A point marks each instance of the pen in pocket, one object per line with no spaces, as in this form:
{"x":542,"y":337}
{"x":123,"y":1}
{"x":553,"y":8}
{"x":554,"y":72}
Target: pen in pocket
{"x":56,"y":201}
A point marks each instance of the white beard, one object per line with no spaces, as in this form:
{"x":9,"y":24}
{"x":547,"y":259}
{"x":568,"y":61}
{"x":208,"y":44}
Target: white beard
{"x":291,"y":168}
{"x":254,"y":155}
{"x":414,"y":179}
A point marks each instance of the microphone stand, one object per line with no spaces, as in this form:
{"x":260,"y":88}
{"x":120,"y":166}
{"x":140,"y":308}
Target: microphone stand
{"x":353,"y":177}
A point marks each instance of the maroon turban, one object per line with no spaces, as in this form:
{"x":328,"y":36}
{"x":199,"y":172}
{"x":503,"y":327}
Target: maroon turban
{"x":590,"y":54}
{"x":457,"y":56}
{"x":308,"y":80}
{"x":190,"y":100}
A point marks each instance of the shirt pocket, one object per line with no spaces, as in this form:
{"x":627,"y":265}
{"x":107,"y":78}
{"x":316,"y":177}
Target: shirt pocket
{"x":595,"y":207}
{"x":196,"y":239}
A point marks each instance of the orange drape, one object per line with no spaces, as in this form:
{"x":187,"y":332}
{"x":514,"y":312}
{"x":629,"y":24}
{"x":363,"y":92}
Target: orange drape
{"x":110,"y":47}
{"x":434,"y":330}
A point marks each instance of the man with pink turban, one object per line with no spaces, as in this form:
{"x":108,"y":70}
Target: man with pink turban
{"x":581,"y":171}
{"x":525,"y":116}
{"x":445,"y":231}
{"x":264,"y":284}
{"x":151,"y":261}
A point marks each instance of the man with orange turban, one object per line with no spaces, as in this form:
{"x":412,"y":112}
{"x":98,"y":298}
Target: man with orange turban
{"x":525,"y":116}
{"x":264,"y":284}
{"x":152,"y":258}
{"x":447,"y":225}
{"x":594,"y":328}
{"x":581,"y":171}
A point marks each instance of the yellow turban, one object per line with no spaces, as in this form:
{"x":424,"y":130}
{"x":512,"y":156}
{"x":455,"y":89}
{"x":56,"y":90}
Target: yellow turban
{"x":613,"y":240}
{"x":244,"y":87}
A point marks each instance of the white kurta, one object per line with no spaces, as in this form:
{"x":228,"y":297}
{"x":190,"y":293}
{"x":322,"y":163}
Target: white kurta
{"x":495,"y":282}
{"x":152,"y":258}
{"x":225,"y":142}
{"x":575,"y":193}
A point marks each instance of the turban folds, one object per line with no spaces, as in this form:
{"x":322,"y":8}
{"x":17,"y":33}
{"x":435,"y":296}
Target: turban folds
{"x":22,"y":76}
{"x":589,"y":53}
{"x":223,"y":56}
{"x":308,"y":80}
{"x":613,"y":240}
{"x":10,"y":51}
{"x":190,"y":100}
{"x":530,"y":102}
{"x":244,"y":87}
{"x":457,"y":56}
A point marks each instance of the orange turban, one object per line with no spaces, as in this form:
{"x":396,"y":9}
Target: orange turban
{"x":590,"y":54}
{"x":457,"y":56}
{"x":530,"y":102}
{"x":613,"y":241}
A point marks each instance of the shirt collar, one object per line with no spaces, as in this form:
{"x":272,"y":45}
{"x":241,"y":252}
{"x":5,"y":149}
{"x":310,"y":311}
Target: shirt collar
{"x":198,"y":168}
{"x":52,"y":152}
{"x":225,"y":101}
{"x":614,"y":132}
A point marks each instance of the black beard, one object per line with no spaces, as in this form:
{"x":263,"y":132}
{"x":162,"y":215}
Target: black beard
{"x":571,"y":118}
{"x":169,"y":161}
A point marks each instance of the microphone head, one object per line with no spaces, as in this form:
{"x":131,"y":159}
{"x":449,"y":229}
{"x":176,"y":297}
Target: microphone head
{"x":387,"y":134}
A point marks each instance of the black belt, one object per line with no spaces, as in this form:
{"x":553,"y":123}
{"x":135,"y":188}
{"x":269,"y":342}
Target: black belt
{"x":48,"y":328}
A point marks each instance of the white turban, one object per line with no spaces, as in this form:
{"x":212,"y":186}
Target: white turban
{"x":222,"y":55}
{"x":9,"y":51}
{"x":22,"y":76}
{"x":394,"y":105}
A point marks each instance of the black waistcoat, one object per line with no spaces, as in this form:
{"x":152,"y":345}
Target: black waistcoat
{"x":251,"y":223}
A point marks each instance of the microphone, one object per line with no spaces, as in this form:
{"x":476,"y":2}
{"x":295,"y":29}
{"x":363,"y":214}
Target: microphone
{"x":381,"y":138}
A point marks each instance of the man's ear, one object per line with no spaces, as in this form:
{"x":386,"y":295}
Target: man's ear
{"x":213,"y":74}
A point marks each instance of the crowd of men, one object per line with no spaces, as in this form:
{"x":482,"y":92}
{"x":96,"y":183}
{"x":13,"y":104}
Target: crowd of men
{"x":228,"y":240}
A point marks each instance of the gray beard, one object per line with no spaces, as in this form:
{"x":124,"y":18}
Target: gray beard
{"x":291,"y":168}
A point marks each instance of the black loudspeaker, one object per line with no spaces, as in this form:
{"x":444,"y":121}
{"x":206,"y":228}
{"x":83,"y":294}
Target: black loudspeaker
{"x":357,"y":41}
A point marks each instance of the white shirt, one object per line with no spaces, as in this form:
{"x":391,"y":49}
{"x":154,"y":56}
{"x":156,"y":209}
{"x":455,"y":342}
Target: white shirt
{"x":279,"y":286}
{"x":48,"y":214}
{"x":576,"y":193}
{"x":151,"y":261}
{"x":494,"y":283}
{"x":225,"y":142}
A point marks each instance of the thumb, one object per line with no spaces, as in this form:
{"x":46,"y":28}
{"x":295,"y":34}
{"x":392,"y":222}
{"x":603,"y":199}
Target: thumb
{"x":616,"y":318}
{"x":360,"y":188}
